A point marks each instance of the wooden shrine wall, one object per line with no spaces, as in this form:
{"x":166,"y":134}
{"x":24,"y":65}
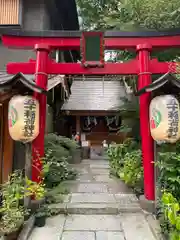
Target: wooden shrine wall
{"x":6,"y":144}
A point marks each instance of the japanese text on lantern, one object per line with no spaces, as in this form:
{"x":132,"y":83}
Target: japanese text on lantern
{"x":29,"y":117}
{"x":173,"y":118}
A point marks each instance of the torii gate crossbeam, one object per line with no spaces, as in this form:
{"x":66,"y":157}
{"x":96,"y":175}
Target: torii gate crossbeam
{"x":143,"y":66}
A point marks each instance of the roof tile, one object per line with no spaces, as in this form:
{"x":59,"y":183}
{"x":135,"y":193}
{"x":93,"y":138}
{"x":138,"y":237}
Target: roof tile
{"x":53,"y":80}
{"x":95,"y":95}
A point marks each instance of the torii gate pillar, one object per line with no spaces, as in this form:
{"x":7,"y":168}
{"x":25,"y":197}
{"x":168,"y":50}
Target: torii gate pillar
{"x":144,"y":79}
{"x":41,"y":78}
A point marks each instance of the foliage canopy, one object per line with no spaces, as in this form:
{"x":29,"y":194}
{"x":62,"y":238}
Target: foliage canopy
{"x":131,"y":15}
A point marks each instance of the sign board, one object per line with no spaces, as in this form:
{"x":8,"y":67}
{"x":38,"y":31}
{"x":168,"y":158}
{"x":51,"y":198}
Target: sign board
{"x":85,"y":144}
{"x":92,"y":49}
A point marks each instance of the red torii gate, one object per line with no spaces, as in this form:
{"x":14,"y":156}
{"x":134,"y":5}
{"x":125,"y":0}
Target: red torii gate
{"x":143,"y":66}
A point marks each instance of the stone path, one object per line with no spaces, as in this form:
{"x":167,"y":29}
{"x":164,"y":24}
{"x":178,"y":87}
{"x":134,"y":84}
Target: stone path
{"x":98,"y":208}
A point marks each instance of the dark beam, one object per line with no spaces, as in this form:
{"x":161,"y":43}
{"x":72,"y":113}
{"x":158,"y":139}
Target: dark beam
{"x":63,"y":41}
{"x":107,"y":34}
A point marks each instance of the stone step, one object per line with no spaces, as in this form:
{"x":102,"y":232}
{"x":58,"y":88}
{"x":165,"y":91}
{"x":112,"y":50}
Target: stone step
{"x":87,"y":204}
{"x":83,"y":186}
{"x":96,"y":208}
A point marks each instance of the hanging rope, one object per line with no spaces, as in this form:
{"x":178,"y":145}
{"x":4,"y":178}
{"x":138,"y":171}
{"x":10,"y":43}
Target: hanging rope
{"x":84,"y":78}
{"x":103,"y":86}
{"x":97,"y":78}
{"x":174,"y":67}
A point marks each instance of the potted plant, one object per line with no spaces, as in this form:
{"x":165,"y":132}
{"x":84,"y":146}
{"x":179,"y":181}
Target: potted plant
{"x":12,"y":212}
{"x":41,"y":215}
{"x":11,"y":222}
{"x":37,"y":191}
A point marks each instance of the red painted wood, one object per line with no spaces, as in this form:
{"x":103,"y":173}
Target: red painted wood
{"x":130,"y":67}
{"x":41,"y":78}
{"x":146,"y":139}
{"x":74,"y":43}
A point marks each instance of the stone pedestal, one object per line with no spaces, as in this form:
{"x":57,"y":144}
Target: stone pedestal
{"x":147,"y":205}
{"x":85,"y":152}
{"x":76,"y":156}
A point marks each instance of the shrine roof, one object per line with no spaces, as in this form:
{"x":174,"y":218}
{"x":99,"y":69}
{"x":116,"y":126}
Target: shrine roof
{"x":7,"y":81}
{"x":95,"y":95}
{"x":167,"y":83}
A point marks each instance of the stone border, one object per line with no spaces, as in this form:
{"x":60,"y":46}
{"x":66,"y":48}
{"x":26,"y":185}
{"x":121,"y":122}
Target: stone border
{"x":27,"y":228}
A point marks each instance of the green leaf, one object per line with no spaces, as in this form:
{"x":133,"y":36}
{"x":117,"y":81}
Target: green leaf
{"x":171,"y":217}
{"x":178,"y":223}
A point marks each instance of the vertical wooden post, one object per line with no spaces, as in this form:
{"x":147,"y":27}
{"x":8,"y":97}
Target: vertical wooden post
{"x":146,"y":139}
{"x":28,"y":169}
{"x":78,"y":124}
{"x":8,"y":146}
{"x":1,"y":141}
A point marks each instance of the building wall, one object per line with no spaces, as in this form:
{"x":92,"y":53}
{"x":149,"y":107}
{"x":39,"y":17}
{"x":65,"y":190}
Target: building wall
{"x":35,"y":17}
{"x":12,"y":55}
{"x":9,"y":11}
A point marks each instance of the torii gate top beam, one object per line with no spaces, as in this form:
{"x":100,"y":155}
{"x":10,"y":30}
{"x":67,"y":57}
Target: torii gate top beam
{"x":71,"y":39}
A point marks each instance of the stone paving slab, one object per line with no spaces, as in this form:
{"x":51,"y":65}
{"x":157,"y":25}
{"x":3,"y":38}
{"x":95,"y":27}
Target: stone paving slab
{"x":110,"y":236}
{"x":81,"y":168}
{"x":84,"y":178}
{"x":89,"y":161}
{"x":136,"y":227}
{"x":93,"y":223}
{"x":126,"y":198}
{"x":99,"y":166}
{"x":51,"y":231}
{"x":103,"y":178}
{"x":100,"y":171}
{"x":92,"y":188}
{"x":75,"y":235}
{"x":118,"y":187}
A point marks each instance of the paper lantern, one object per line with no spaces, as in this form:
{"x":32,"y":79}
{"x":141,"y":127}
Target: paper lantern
{"x":165,"y":118}
{"x":23,"y":118}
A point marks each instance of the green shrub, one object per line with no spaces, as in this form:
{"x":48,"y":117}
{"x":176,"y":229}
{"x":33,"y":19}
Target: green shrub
{"x":116,"y":154}
{"x":171,"y":215}
{"x":59,"y":145}
{"x":126,"y":162}
{"x":168,"y":163}
{"x":132,"y":171}
{"x":58,"y":149}
{"x":59,"y":171}
{"x":169,"y":172}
